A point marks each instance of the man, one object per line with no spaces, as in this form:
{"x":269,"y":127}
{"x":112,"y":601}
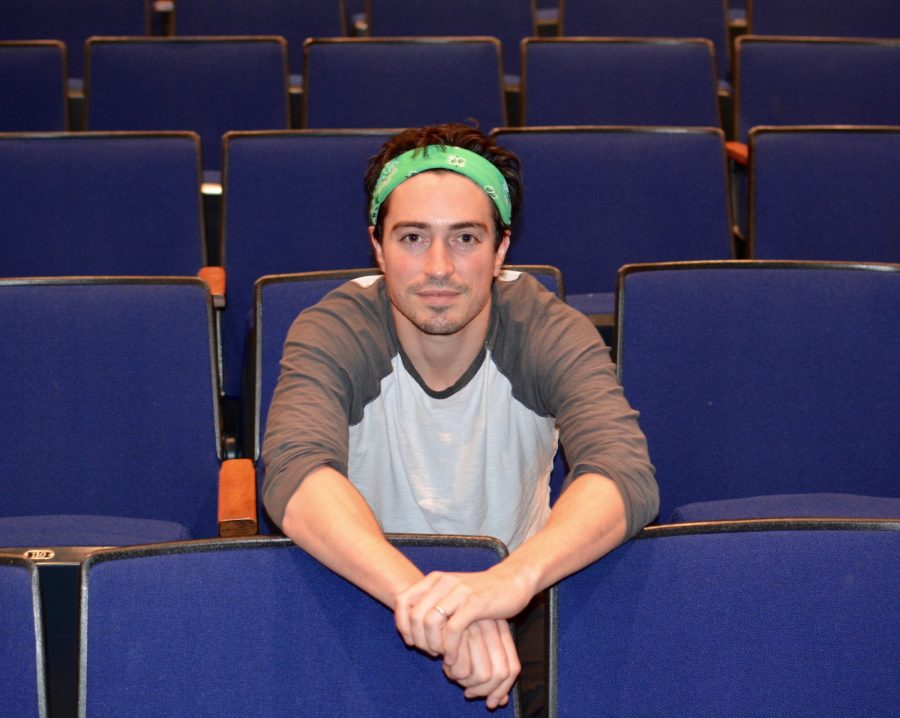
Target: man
{"x":430,"y":401}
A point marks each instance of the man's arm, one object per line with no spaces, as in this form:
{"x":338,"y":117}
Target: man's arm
{"x":330,"y":519}
{"x":586,"y":523}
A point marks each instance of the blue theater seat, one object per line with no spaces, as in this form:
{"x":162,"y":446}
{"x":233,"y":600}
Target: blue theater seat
{"x":396,"y":82}
{"x":741,"y":619}
{"x":22,"y":672}
{"x":765,"y":379}
{"x":826,"y":193}
{"x":258,"y":627}
{"x":33,"y":86}
{"x":111,"y":431}
{"x":101,"y":204}
{"x":616,"y":195}
{"x":618,"y":81}
{"x":210,"y":85}
{"x":654,"y":18}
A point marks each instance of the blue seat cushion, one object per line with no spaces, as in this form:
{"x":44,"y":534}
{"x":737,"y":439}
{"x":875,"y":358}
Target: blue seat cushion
{"x":85,"y":530}
{"x":790,"y":506}
{"x":593,"y":303}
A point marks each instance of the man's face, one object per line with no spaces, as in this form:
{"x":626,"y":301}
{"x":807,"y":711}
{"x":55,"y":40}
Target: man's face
{"x":437,"y":252}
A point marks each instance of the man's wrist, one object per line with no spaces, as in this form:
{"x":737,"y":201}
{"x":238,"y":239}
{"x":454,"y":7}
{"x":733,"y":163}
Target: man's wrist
{"x":523,"y":577}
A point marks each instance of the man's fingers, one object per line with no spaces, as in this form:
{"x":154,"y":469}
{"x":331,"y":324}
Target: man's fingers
{"x":495,"y":678}
{"x":500,"y":695}
{"x":406,"y":603}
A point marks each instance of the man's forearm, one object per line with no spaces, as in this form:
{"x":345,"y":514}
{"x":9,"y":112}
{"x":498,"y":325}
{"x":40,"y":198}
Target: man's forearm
{"x":587,"y":522}
{"x":330,"y":520}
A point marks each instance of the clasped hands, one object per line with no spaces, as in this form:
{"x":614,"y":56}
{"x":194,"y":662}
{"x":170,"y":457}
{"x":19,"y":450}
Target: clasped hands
{"x":463,"y":618}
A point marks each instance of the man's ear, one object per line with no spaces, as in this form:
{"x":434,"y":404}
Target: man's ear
{"x":377,"y":248}
{"x":500,"y":256}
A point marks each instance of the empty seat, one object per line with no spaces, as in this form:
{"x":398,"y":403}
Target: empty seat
{"x":72,"y":23}
{"x":258,"y":627}
{"x":111,"y":430}
{"x":100,"y":204}
{"x":208,"y":85}
{"x":825,"y":18}
{"x":825,"y":193}
{"x":403,"y":82}
{"x":510,"y":21}
{"x":654,"y":18}
{"x":598,"y":198}
{"x":295,"y":20}
{"x":293,"y":202}
{"x":739,"y":619}
{"x":762,"y":379}
{"x":33,"y":86}
{"x":815,"y":81}
{"x":22,"y":675}
{"x":603,"y":81}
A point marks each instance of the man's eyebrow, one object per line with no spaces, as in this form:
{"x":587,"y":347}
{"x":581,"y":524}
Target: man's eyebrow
{"x":465,"y":225}
{"x":473,"y":224}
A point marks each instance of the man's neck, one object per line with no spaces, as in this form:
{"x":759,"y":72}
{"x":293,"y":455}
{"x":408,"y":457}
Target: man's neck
{"x":441,"y":360}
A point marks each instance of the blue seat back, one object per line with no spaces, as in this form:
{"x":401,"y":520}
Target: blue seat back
{"x":603,"y":81}
{"x":293,"y":202}
{"x":810,"y":81}
{"x":72,"y":22}
{"x":309,"y":643}
{"x":825,"y":193}
{"x":33,"y":86}
{"x":825,"y":18}
{"x":295,"y":20}
{"x":734,"y":619}
{"x":406,"y":82}
{"x":109,"y":400}
{"x":22,"y":677}
{"x":510,"y":21}
{"x":208,"y":85}
{"x":761,"y":378}
{"x":604,"y":197}
{"x":663,"y":18}
{"x":100,"y":204}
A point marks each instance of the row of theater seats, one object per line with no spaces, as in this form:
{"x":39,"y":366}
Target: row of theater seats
{"x":766,"y":389}
{"x":213,"y":85}
{"x":508,"y":20}
{"x":752,"y":379}
{"x":731,"y":618}
{"x":596,"y":199}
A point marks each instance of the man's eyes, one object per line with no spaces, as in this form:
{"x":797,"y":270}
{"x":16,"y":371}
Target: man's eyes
{"x":462,"y":240}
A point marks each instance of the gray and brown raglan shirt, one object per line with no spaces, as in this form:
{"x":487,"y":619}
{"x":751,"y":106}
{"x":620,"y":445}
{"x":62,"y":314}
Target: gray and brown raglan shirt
{"x":474,"y":459}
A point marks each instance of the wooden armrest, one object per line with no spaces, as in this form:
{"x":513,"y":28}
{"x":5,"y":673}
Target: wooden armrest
{"x":215,"y":278}
{"x":237,"y":498}
{"x":738,"y":151}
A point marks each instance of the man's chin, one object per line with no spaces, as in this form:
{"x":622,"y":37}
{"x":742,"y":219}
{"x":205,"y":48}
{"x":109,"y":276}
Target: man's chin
{"x":440,"y":327}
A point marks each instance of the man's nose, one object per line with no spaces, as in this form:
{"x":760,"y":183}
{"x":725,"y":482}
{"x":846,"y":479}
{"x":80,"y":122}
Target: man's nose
{"x":438,"y":261}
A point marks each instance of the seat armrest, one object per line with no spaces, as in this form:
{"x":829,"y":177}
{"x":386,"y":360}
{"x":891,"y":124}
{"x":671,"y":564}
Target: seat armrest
{"x":237,"y":498}
{"x":738,"y":152}
{"x":215,"y":279}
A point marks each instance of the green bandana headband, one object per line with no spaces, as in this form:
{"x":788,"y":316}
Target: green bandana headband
{"x":456,"y":159}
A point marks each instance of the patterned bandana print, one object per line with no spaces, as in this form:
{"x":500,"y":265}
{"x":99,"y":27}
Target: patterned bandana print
{"x":455,"y":159}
